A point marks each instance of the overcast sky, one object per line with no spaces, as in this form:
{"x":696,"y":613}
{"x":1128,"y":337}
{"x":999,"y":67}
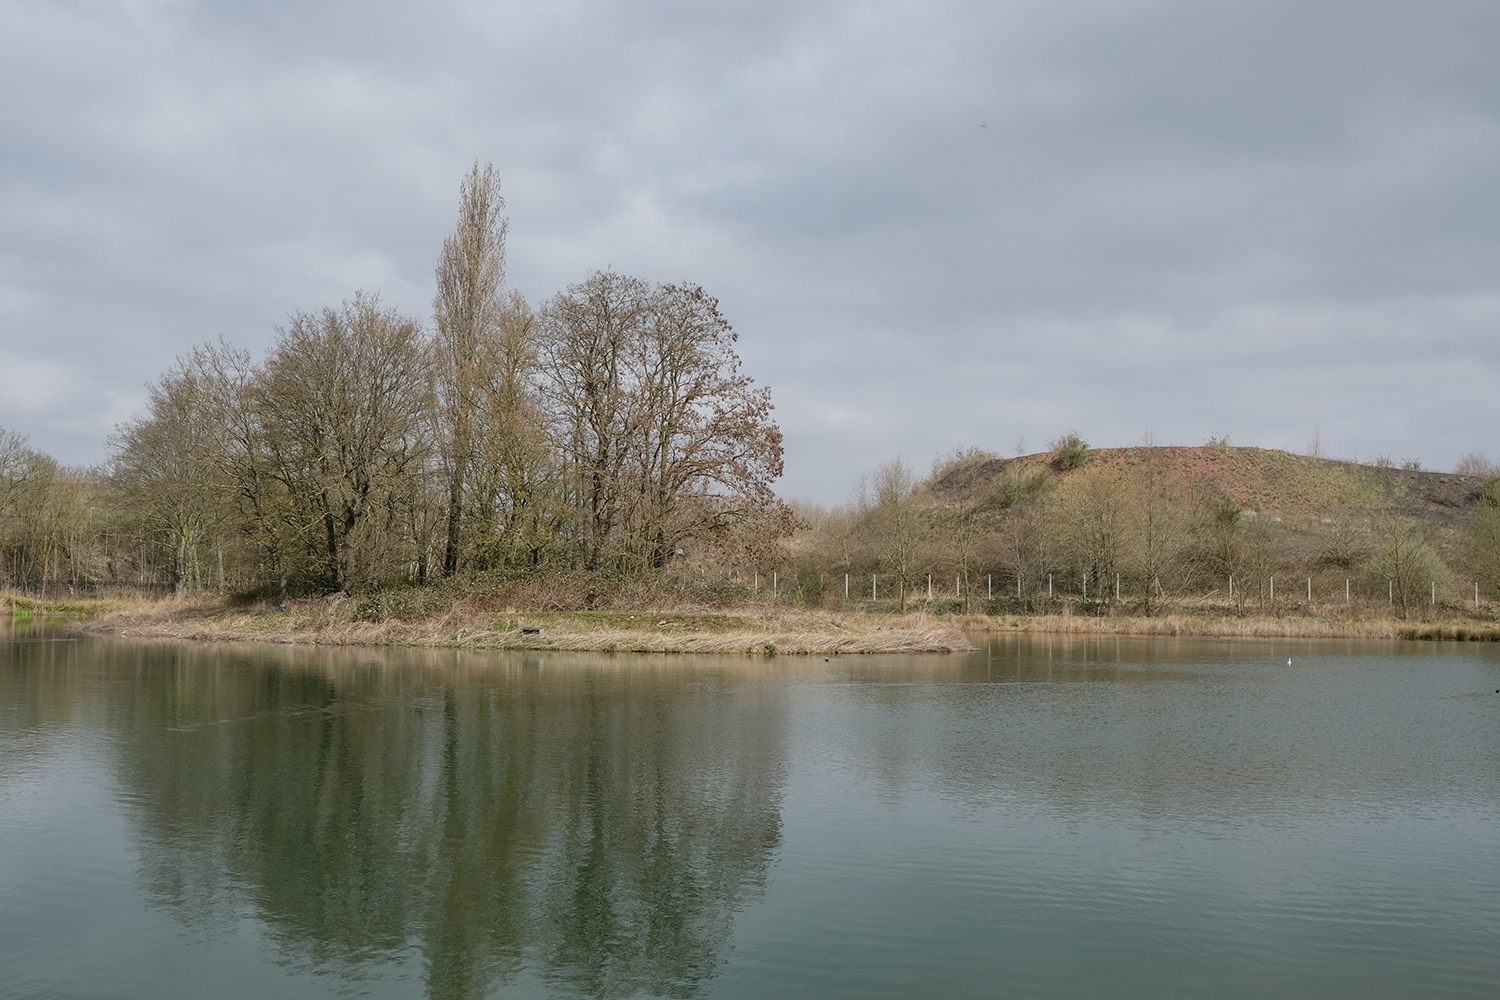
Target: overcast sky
{"x":934,"y":225}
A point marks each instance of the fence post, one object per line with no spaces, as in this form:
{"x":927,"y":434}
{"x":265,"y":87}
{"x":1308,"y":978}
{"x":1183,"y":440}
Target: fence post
{"x":929,"y":586}
{"x":846,"y":586}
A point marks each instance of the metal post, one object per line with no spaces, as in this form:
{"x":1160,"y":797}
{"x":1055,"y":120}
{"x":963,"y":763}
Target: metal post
{"x":1117,"y":586}
{"x":1049,"y":586}
{"x":773,"y":585}
{"x":1309,"y":590}
{"x":1085,"y":585}
{"x":846,"y":586}
{"x":929,"y":586}
{"x":873,"y":591}
{"x":1273,"y":590}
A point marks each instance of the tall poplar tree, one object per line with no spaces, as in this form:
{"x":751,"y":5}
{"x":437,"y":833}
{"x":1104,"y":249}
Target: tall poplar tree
{"x":468,"y":310}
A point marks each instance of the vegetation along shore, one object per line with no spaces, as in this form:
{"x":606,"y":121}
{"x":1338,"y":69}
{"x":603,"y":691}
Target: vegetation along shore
{"x":758,"y":630}
{"x":570,"y":463}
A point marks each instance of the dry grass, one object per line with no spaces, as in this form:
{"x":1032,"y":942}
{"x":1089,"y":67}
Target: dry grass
{"x":1260,"y":628}
{"x":688,"y":627}
{"x":1450,"y":632}
{"x":24,"y":605}
{"x":331,"y":622}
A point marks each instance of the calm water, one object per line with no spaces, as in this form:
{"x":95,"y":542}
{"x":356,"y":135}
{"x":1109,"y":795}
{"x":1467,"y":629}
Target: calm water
{"x":1046,"y":818}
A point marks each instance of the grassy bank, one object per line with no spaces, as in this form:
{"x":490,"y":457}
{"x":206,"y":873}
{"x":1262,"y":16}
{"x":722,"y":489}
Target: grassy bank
{"x":338,"y":622}
{"x":23,"y":606}
{"x":1253,"y":628}
{"x":749,"y":628}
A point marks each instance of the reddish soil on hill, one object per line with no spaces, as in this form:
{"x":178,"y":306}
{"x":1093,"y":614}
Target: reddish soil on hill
{"x":1272,"y":481}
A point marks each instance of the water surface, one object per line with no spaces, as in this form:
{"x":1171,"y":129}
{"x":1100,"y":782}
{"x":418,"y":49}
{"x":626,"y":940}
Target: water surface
{"x":1047,"y":817}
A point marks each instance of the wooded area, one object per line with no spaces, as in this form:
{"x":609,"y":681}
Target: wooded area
{"x":609,"y":435}
{"x":605,"y":431}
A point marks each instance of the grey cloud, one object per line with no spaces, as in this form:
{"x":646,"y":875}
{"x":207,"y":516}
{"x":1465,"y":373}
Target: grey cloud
{"x":1244,"y":218}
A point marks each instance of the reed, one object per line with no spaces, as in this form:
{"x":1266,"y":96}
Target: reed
{"x":1269,"y":628}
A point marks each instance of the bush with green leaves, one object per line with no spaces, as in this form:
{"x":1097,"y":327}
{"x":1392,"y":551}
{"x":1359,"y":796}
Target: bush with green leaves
{"x":1070,"y":451}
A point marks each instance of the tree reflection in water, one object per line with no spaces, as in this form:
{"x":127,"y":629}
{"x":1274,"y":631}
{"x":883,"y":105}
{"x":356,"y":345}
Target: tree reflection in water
{"x":596,"y":826}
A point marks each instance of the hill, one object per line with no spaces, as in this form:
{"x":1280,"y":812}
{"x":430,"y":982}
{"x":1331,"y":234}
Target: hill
{"x":1155,"y":530}
{"x":1293,"y":488}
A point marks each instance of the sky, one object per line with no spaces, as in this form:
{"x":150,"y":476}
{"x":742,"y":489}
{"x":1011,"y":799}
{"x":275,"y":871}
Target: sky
{"x":934,"y":225}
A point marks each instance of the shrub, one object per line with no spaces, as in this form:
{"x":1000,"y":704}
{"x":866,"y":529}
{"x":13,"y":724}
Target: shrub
{"x":1476,"y":465}
{"x":810,"y":584}
{"x":1070,"y":451}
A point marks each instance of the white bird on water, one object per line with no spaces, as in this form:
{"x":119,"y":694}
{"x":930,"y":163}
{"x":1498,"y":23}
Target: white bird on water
{"x":1289,"y":661}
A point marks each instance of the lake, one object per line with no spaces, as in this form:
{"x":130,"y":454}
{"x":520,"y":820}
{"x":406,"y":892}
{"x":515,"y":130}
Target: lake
{"x":1047,"y":817}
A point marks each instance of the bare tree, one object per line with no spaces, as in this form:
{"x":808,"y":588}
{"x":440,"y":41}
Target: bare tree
{"x":1221,"y":543}
{"x":515,"y":510}
{"x":17,"y":470}
{"x":343,"y":400}
{"x":27,"y":528}
{"x":1484,"y":539}
{"x":898,"y":522}
{"x":586,"y":333}
{"x":1162,"y":524}
{"x":1032,"y":548}
{"x":1096,"y":510}
{"x":1406,"y":563}
{"x":165,"y":469}
{"x":469,"y":311}
{"x":664,"y":438}
{"x":701,"y":449}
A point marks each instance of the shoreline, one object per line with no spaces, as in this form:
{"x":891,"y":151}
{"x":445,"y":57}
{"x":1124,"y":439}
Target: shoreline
{"x":747,"y":633}
{"x":1446,"y":630}
{"x":755,"y":631}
